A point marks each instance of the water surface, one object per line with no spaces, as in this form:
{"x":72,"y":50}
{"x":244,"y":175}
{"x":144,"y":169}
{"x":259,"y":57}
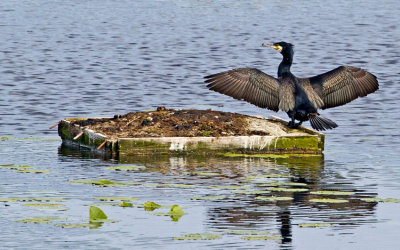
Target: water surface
{"x":99,"y":58}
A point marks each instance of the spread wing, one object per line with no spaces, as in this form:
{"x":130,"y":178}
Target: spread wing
{"x":342,"y":85}
{"x":249,"y":84}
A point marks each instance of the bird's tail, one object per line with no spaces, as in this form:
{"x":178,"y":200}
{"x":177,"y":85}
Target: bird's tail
{"x":321,"y":123}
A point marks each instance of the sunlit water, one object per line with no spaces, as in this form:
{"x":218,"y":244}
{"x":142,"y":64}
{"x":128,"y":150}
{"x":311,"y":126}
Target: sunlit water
{"x":97,"y":58}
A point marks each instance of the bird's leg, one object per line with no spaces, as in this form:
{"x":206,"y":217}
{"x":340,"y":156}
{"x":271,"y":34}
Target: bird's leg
{"x":291,"y":123}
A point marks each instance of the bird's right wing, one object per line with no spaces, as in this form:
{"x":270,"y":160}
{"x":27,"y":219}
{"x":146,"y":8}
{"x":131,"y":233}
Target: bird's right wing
{"x":249,"y":84}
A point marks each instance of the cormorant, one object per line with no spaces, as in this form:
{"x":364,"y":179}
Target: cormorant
{"x":298,"y":97}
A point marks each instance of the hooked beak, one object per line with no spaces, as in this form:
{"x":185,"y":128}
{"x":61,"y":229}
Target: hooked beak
{"x":277,"y":47}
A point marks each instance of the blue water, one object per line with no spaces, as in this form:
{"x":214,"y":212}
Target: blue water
{"x":99,"y":58}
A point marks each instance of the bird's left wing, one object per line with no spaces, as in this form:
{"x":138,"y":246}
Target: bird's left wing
{"x":249,"y":84}
{"x":342,"y":85}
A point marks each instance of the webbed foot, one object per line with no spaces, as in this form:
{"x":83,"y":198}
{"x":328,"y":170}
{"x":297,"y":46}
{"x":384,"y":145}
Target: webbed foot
{"x":292,"y":124}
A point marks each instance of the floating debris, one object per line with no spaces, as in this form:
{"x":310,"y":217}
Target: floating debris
{"x":112,"y":198}
{"x":274,"y":198}
{"x":127,"y":168}
{"x":278,"y":189}
{"x":100,"y":182}
{"x":33,"y":171}
{"x":229,"y":187}
{"x":39,"y":220}
{"x":376,"y":199}
{"x":329,"y":200}
{"x":316,"y":225}
{"x":54,"y":206}
{"x":332,"y":193}
{"x":249,"y":192}
{"x":199,"y":236}
{"x":208,"y":198}
{"x":77,"y":225}
{"x":248,"y":232}
{"x":261,"y":237}
{"x":24,"y":199}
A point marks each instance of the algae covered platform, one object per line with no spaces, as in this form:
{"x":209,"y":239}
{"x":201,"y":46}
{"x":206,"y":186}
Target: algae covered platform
{"x":204,"y":132}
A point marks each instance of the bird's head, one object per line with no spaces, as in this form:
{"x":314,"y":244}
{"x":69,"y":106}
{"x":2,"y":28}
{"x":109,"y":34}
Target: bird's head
{"x":283,"y":47}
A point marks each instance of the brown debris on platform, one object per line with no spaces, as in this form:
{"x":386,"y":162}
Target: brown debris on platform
{"x":182,"y":123}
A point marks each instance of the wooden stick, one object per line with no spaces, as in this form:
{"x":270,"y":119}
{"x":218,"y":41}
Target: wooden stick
{"x":101,"y":145}
{"x":55,"y":125}
{"x":79,"y":135}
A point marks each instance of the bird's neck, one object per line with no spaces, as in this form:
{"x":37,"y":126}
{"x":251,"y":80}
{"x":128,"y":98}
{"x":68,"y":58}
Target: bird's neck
{"x":284,"y":66}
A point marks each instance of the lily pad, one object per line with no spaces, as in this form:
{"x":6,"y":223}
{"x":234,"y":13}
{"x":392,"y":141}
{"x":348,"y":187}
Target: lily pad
{"x":274,"y":198}
{"x":112,"y":198}
{"x":251,"y":192}
{"x":39,"y":220}
{"x":376,"y":199}
{"x":199,"y":236}
{"x":127,"y":168}
{"x":16,"y":167}
{"x":261,"y":237}
{"x":248,"y":232}
{"x":5,"y":138}
{"x":278,"y":189}
{"x":316,"y":225}
{"x":332,"y":193}
{"x":329,"y":200}
{"x":208,"y":198}
{"x":96,"y":213}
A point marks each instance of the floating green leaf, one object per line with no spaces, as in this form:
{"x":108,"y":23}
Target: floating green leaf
{"x":150,"y":206}
{"x":199,"y":236}
{"x":125,"y":204}
{"x":288,"y":189}
{"x":329,"y":200}
{"x":18,"y":167}
{"x":39,"y":220}
{"x":251,"y":192}
{"x":96,"y":213}
{"x":112,"y":198}
{"x":316,"y":225}
{"x":127,"y":168}
{"x":332,"y":193}
{"x":176,"y":212}
{"x":261,"y":237}
{"x":248,"y":232}
{"x":208,"y":198}
{"x":376,"y":199}
{"x":274,"y":198}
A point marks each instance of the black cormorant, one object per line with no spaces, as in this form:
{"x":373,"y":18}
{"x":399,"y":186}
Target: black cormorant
{"x":298,"y":97}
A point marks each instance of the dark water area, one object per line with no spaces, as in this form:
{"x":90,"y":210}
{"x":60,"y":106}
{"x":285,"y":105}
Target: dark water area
{"x":99,"y":58}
